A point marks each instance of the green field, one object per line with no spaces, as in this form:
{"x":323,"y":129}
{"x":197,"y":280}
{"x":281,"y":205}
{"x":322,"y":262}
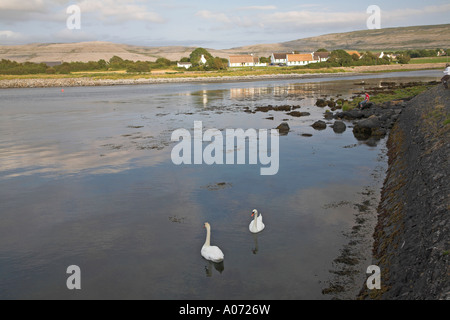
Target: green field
{"x":430,"y":60}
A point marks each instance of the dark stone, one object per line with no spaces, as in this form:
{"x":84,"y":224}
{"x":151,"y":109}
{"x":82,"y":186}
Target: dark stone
{"x":321,"y":103}
{"x":319,"y":125}
{"x":283,"y":128}
{"x":298,"y":114}
{"x":339,"y":127}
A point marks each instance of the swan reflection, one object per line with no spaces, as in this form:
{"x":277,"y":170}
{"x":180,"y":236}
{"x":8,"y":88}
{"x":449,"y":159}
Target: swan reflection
{"x":255,"y":249}
{"x":209,"y":268}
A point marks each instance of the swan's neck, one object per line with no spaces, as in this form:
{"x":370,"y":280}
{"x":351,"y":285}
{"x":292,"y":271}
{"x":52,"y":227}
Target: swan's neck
{"x":208,"y":238}
{"x":255,"y":219}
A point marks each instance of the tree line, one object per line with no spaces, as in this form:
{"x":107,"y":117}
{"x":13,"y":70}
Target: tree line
{"x":337,"y":58}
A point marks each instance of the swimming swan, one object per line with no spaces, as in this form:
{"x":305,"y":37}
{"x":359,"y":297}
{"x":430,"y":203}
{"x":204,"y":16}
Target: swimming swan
{"x":257,"y":224}
{"x":209,"y":252}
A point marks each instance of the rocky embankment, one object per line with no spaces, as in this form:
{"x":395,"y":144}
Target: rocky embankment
{"x":412,"y":235}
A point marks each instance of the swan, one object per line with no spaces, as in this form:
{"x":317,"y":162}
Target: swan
{"x":257,"y":224}
{"x":209,"y":252}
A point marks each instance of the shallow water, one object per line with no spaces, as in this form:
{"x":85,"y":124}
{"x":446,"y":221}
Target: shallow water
{"x":86,"y":179}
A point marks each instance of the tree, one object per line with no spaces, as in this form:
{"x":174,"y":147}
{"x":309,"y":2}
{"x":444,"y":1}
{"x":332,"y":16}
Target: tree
{"x":322,"y":50}
{"x":116,"y":62}
{"x":340,"y":57}
{"x":196,"y":55}
{"x":403,"y":58}
{"x":163,"y":62}
{"x":139,"y":66}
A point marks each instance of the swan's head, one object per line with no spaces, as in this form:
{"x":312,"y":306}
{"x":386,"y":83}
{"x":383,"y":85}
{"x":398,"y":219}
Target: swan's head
{"x":254,"y":212}
{"x":207,"y":226}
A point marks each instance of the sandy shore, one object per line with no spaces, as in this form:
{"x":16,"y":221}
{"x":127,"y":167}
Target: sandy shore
{"x":86,"y":81}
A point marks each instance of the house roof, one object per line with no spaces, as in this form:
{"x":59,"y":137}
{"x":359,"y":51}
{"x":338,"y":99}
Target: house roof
{"x":300,"y":57}
{"x":280,"y":56}
{"x":352,"y":52}
{"x":321,"y":55}
{"x":243,"y":59}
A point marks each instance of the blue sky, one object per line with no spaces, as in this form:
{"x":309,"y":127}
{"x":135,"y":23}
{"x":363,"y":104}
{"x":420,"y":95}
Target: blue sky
{"x":211,"y":24}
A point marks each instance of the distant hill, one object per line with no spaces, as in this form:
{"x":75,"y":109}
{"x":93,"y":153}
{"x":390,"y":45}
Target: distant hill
{"x":418,"y":37}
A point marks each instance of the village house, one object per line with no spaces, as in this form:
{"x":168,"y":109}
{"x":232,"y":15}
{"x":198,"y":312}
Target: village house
{"x":352,"y":52}
{"x":247,"y":60}
{"x":185,"y":65}
{"x":321,"y":56}
{"x":278,"y":58}
{"x":300,"y":59}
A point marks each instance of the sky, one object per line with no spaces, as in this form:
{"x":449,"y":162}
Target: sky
{"x":210,"y":24}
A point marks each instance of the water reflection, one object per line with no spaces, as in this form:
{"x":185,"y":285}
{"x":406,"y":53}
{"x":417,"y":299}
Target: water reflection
{"x":92,"y":183}
{"x":220,"y":267}
{"x":255,"y":240}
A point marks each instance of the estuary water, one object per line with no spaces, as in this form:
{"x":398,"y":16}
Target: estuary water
{"x":86,"y":179}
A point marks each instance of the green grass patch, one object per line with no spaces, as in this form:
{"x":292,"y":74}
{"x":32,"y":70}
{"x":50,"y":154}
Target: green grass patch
{"x":444,"y":59}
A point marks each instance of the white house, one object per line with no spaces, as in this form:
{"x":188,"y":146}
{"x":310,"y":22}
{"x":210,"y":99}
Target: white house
{"x":278,"y":58}
{"x":300,"y":59}
{"x":185,"y":65}
{"x":321,"y":56}
{"x":202,"y":60}
{"x":247,"y":60}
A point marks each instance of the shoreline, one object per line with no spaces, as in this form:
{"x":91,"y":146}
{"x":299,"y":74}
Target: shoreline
{"x":90,"y":82}
{"x":411,"y":237}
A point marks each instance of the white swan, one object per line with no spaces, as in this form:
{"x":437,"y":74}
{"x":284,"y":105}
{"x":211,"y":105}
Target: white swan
{"x":257,"y":224}
{"x":209,"y":252}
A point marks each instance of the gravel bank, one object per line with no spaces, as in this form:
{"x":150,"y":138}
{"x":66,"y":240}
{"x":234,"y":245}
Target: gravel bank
{"x":79,"y":82}
{"x":412,"y":235}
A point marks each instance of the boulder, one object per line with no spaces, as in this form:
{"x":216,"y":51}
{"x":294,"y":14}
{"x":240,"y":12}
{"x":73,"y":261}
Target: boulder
{"x":298,"y":114}
{"x":319,"y":125}
{"x":339,"y":127}
{"x":284,"y":128}
{"x":366,"y":128}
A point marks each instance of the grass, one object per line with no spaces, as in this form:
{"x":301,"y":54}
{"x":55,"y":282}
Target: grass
{"x":430,"y":60}
{"x":397,"y":94}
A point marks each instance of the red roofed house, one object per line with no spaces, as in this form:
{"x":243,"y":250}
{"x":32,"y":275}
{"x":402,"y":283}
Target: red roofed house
{"x":300,"y":59}
{"x":247,"y":60}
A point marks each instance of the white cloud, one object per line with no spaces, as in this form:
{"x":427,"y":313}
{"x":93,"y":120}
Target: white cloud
{"x":218,"y":17}
{"x":11,"y":37}
{"x":119,"y":11}
{"x":258,"y":8}
{"x":25,"y":5}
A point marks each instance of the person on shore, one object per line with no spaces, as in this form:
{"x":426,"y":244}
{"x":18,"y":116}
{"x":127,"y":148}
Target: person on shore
{"x":446,"y":76}
{"x":363,"y":104}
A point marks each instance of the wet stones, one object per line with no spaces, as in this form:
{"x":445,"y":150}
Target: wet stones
{"x":319,"y":125}
{"x":298,"y":114}
{"x":339,"y":126}
{"x":284,"y":128}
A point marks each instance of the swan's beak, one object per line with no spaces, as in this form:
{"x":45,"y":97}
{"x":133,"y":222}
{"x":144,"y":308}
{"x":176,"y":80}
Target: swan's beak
{"x":253,"y":214}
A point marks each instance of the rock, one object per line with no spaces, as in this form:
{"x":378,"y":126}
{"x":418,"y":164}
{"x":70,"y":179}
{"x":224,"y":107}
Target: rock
{"x":366,"y":128}
{"x":328,"y":115}
{"x":284,"y":128}
{"x":321,"y":103}
{"x":319,"y":125}
{"x":339,"y":127}
{"x":350,"y":115}
{"x":298,"y":114}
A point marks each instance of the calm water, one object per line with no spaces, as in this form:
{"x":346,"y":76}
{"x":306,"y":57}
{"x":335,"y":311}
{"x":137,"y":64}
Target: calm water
{"x":86,"y":179}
